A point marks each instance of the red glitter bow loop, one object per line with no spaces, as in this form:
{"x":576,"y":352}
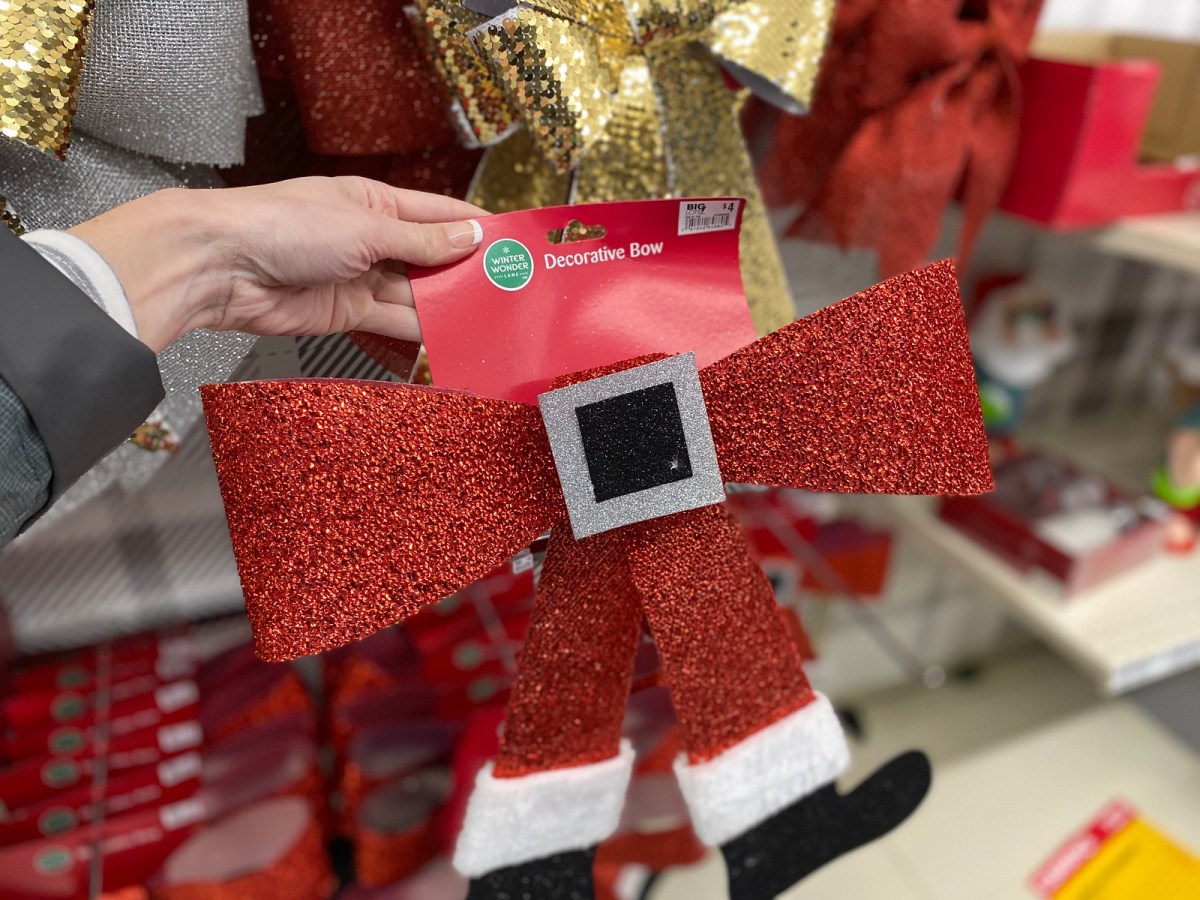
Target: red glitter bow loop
{"x":918,"y":101}
{"x":865,"y":396}
{"x":353,"y":504}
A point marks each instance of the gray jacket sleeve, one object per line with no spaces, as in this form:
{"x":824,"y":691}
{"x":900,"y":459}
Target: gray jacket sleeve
{"x":25,"y":471}
{"x":73,"y":384}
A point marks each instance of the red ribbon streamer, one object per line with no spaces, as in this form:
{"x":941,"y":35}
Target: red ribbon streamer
{"x":353,"y":504}
{"x":918,"y":101}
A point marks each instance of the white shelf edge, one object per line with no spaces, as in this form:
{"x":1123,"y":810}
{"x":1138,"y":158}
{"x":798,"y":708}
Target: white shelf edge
{"x":1036,"y":608}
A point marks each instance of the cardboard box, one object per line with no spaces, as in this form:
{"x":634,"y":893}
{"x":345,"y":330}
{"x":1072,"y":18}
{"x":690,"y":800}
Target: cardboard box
{"x":1087,"y":113}
{"x":1048,"y":517}
{"x":1174,"y":127}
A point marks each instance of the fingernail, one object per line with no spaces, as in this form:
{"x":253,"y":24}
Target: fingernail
{"x":464,"y":234}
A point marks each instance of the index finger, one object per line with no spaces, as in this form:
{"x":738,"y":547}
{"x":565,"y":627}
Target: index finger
{"x":418,"y":206}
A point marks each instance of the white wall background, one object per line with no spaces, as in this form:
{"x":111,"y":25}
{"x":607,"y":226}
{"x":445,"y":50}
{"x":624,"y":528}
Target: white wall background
{"x":1169,"y":18}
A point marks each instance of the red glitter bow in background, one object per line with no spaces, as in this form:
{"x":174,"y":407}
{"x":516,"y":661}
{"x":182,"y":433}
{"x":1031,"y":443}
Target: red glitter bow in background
{"x":349,"y":91}
{"x":351,"y":504}
{"x":918,"y":102}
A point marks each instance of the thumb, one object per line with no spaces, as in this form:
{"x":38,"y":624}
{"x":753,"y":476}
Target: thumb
{"x":423,"y":244}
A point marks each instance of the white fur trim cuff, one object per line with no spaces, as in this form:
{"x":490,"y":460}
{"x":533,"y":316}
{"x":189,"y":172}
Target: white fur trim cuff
{"x":517,"y":820}
{"x":770,"y":770}
{"x":91,"y":273}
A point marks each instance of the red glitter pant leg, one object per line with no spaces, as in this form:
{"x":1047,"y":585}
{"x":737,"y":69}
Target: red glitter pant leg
{"x":575,"y":672}
{"x":729,"y":660}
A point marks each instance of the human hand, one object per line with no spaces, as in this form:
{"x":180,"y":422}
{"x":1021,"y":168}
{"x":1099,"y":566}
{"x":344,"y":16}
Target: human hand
{"x":308,"y":256}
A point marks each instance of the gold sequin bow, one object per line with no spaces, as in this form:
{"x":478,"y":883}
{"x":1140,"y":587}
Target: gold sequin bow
{"x":584,"y":101}
{"x":41,"y":61}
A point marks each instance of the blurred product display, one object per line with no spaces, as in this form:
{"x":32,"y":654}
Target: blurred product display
{"x":645,"y":576}
{"x":1070,"y":525}
{"x":1095,"y":105}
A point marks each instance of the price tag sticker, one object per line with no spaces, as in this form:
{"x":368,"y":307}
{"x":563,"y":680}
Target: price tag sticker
{"x":703,"y":216}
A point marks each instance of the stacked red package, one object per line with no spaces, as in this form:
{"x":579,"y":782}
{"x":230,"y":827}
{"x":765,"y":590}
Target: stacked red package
{"x":122,"y":762}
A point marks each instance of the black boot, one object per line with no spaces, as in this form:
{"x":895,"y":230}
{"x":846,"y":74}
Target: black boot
{"x":563,"y":876}
{"x":776,"y":854}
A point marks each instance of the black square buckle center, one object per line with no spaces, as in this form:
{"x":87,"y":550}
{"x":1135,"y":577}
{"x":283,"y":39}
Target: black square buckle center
{"x":634,"y":441}
{"x":633,"y":445}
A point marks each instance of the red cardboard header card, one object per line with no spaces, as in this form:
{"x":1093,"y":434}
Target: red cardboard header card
{"x":559,"y":290}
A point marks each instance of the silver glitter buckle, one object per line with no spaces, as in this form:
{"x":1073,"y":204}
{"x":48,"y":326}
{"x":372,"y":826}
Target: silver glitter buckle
{"x":632,"y":446}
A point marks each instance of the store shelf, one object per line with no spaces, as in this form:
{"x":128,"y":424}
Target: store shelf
{"x":1169,"y":240}
{"x":1135,"y":629}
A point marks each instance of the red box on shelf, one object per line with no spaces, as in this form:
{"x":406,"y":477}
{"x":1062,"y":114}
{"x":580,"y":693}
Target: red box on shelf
{"x":1072,"y":525}
{"x":1084,"y":113}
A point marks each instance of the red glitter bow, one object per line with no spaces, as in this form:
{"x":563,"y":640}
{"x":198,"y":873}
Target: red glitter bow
{"x":918,"y":100}
{"x":349,"y":90}
{"x":353,"y":504}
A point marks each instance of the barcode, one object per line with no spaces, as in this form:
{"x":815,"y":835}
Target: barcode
{"x":699,"y":216}
{"x":715,"y":222}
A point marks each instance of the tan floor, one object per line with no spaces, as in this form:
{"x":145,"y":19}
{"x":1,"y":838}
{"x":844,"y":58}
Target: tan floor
{"x":1023,"y":756}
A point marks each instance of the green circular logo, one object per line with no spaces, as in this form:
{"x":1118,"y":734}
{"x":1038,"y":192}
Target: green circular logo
{"x":67,"y":707}
{"x":65,"y":740}
{"x":482,"y":689}
{"x":508,"y":264}
{"x":56,"y":821}
{"x":72,"y":677}
{"x":52,"y":860}
{"x":59,"y":773}
{"x":468,"y":655}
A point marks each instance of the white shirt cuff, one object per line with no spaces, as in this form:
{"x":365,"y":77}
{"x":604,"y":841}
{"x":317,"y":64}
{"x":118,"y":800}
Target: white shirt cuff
{"x":76,"y":259}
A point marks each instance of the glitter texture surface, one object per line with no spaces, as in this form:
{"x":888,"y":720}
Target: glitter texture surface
{"x":173,"y":79}
{"x":324,"y":87}
{"x":707,"y":153}
{"x":194,"y":359}
{"x":919,"y":101}
{"x":629,"y":101}
{"x":634,"y":442}
{"x":568,"y":702}
{"x":551,"y":70}
{"x":773,"y":46}
{"x":589,"y":512}
{"x":351,"y":505}
{"x":778,"y":853}
{"x":628,"y":161}
{"x":9,"y":218}
{"x":94,"y":178}
{"x":41,"y":60}
{"x":361,"y":77}
{"x":481,"y":109}
{"x":560,"y":876}
{"x":875,"y":394}
{"x":729,"y":660}
{"x":512,"y":176}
